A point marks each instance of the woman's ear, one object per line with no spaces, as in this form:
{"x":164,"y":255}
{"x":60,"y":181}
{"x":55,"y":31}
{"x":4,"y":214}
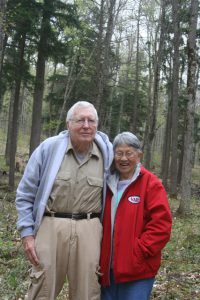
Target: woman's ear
{"x":141,"y":155}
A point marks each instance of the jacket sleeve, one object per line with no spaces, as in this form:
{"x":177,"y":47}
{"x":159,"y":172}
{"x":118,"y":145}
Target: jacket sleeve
{"x":158,"y":220}
{"x":26,"y":193}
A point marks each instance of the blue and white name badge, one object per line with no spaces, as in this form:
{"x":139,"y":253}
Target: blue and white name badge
{"x":134,"y":199}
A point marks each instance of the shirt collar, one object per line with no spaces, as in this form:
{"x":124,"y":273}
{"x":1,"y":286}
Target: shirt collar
{"x":69,"y":147}
{"x":94,"y":151}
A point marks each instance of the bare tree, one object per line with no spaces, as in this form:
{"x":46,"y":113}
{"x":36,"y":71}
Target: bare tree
{"x":184,"y":207}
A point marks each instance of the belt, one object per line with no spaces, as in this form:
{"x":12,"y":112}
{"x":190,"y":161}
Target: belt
{"x":73,"y":216}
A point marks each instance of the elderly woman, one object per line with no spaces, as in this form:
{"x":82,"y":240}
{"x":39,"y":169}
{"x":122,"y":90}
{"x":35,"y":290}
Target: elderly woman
{"x":136,"y":225}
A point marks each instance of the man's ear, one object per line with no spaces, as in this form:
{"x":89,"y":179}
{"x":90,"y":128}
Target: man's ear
{"x":67,"y":125}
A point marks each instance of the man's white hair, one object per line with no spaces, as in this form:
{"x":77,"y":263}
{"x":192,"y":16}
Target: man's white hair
{"x":80,"y":104}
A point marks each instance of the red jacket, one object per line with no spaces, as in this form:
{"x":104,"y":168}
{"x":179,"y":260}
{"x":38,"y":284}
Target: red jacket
{"x":141,"y":230}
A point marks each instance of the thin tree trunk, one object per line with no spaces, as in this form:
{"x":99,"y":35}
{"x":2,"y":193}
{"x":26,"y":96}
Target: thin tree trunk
{"x":99,"y":55}
{"x":3,"y":40}
{"x":15,"y":119}
{"x":39,"y":80}
{"x":146,"y":144}
{"x":113,"y":90}
{"x":2,"y":30}
{"x":184,"y":207}
{"x":157,"y":67}
{"x":37,"y":102}
{"x":137,"y":64}
{"x":175,"y":94}
{"x":166,"y":146}
{"x":9,"y":130}
{"x":167,"y":136}
{"x":50,"y":100}
{"x":106,"y":62}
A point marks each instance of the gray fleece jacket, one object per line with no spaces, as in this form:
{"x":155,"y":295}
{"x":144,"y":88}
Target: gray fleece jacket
{"x":36,"y":184}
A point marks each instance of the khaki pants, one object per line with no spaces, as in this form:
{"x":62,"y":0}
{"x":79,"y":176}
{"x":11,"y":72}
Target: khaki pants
{"x":67,"y":248}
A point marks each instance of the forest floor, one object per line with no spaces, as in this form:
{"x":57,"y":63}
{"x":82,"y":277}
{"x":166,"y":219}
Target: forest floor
{"x":178,"y":277}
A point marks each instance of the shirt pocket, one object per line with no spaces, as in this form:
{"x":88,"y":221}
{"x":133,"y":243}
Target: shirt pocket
{"x":91,"y":194}
{"x":93,"y":181}
{"x":60,"y":192}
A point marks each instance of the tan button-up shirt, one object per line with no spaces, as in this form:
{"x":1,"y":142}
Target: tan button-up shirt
{"x":79,"y":183}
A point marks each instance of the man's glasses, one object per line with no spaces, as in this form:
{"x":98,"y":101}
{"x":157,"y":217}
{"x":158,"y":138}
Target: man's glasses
{"x":81,"y":122}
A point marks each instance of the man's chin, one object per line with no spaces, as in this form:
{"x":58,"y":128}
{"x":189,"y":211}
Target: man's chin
{"x":86,"y":136}
{"x":86,"y":139}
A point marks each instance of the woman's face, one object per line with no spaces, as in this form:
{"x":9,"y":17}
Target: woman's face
{"x":126,"y":159}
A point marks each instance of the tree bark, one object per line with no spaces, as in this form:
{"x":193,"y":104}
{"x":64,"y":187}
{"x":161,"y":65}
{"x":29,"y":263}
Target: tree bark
{"x":156,"y":82}
{"x":99,"y":61}
{"x":175,"y":94}
{"x":15,"y":118}
{"x":2,"y":31}
{"x":167,"y":136}
{"x":3,"y":38}
{"x":39,"y":80}
{"x":9,"y":130}
{"x":146,"y":144}
{"x":184,"y":207}
{"x":104,"y":62}
{"x":166,"y":146}
{"x":137,"y":82}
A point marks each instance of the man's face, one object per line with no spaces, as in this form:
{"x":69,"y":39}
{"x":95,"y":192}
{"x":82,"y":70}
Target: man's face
{"x":82,"y":126}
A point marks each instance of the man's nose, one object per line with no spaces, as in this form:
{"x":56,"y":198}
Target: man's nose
{"x":86,"y":123}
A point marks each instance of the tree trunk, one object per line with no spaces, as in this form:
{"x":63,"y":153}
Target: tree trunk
{"x":3,"y":39}
{"x":105,"y":65}
{"x":184,"y":207}
{"x":175,"y":94}
{"x":50,"y":131}
{"x":157,"y":67}
{"x":166,"y":146}
{"x":146,"y":144}
{"x":113,"y":92}
{"x":39,"y":80}
{"x":2,"y":31}
{"x":15,"y":118}
{"x":9,"y":130}
{"x":137,"y":82}
{"x":165,"y":163}
{"x":99,"y":60}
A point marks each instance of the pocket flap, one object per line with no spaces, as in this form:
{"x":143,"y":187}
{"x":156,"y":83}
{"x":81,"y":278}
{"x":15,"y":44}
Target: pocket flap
{"x":63,"y":176}
{"x":95,"y":181}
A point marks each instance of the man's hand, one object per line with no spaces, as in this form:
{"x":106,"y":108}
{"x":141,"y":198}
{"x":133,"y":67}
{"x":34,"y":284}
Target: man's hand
{"x":28,"y":243}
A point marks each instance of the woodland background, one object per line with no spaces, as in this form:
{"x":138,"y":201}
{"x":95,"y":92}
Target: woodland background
{"x":138,"y":62}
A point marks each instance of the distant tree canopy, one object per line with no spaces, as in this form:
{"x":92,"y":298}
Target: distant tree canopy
{"x":137,"y":62}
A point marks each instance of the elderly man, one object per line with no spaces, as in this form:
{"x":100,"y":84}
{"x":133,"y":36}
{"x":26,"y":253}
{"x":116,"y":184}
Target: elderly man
{"x":59,"y":202}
